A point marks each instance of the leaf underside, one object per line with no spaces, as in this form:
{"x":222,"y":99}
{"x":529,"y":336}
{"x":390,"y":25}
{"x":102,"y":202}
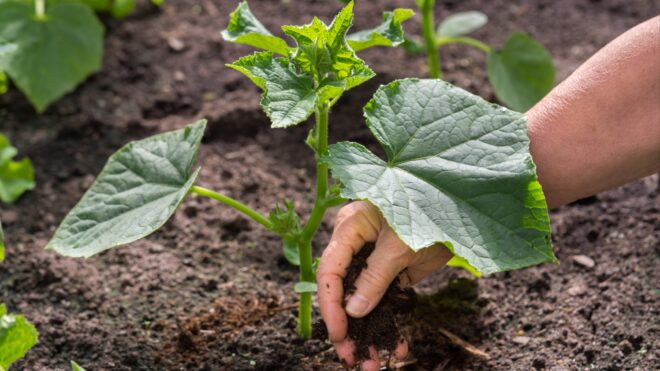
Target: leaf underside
{"x":461,"y":24}
{"x":458,"y":172}
{"x":53,"y":54}
{"x":521,"y":73}
{"x":17,"y":336}
{"x":137,"y":191}
{"x":16,"y":177}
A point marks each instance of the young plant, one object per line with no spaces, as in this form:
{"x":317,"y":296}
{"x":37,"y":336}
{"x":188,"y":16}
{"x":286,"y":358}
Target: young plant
{"x":16,"y":177}
{"x":458,"y":171}
{"x":521,"y":72}
{"x":17,"y":335}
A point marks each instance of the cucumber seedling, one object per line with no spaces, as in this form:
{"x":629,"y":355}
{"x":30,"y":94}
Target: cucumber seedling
{"x":458,"y":170}
{"x":521,"y":72}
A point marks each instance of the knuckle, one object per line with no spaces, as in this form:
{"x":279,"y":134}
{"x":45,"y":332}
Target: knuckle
{"x":373,"y":281}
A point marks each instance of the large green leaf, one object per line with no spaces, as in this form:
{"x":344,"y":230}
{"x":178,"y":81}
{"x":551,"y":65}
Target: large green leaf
{"x":458,"y":172}
{"x":16,"y":177}
{"x":55,"y":53}
{"x":137,"y":191}
{"x":461,"y":24}
{"x":245,"y":28}
{"x":17,"y":336}
{"x":521,"y":73}
{"x":388,"y":33}
{"x":288,"y":98}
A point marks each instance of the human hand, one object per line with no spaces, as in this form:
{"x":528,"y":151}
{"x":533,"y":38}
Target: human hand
{"x":356,"y":224}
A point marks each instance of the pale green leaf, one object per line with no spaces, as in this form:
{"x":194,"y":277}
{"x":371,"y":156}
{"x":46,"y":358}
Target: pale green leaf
{"x":458,"y":172}
{"x":388,"y":33}
{"x":55,"y":53}
{"x":17,"y":336}
{"x":461,"y":24}
{"x":16,"y":177}
{"x":521,"y":73}
{"x":291,"y":252}
{"x":137,"y":191}
{"x":288,"y":98}
{"x":302,"y":286}
{"x":245,"y":28}
{"x":76,"y":367}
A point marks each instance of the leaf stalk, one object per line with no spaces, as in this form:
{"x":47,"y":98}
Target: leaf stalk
{"x":446,"y":40}
{"x":237,"y":205}
{"x":428,"y":24}
{"x":40,"y":9}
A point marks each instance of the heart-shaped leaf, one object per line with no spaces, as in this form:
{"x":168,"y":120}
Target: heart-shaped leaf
{"x":55,"y":52}
{"x":137,"y":191}
{"x":458,"y":172}
{"x":461,"y":24}
{"x":521,"y":73}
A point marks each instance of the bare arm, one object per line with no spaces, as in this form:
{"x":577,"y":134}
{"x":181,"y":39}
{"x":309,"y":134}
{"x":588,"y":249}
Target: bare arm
{"x":600,"y":128}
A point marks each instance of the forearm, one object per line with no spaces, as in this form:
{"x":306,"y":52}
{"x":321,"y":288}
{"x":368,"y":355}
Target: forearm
{"x":600,"y":128}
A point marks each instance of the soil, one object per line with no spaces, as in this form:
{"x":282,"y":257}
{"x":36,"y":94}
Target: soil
{"x":211,"y":291}
{"x":379,"y":328}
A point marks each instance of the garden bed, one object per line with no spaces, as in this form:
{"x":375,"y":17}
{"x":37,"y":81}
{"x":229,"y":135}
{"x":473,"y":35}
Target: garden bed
{"x":212,"y":290}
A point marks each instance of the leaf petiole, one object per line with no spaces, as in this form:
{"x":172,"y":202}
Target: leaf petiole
{"x":237,"y":205}
{"x":40,"y":9}
{"x":428,"y":24}
{"x":446,"y":40}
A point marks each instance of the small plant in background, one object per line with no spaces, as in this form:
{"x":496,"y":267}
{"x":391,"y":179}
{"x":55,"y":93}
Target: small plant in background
{"x":521,"y":72}
{"x":458,"y":168}
{"x":47,"y":48}
{"x":16,"y":177}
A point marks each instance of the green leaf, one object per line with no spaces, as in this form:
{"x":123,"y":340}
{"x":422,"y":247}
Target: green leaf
{"x":461,"y":24}
{"x":302,"y":286}
{"x":458,"y":172}
{"x":122,"y":8}
{"x":16,"y":177}
{"x":4,"y":84}
{"x":286,"y":223}
{"x":55,"y":53}
{"x":76,"y":367}
{"x":2,"y":244}
{"x":288,"y":98}
{"x":388,"y":33}
{"x":521,"y":73}
{"x":17,"y":336}
{"x":6,"y":51}
{"x":158,"y":2}
{"x":98,"y":5}
{"x":245,"y":28}
{"x":137,"y":191}
{"x":291,"y":252}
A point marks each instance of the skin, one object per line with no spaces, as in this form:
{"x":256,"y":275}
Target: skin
{"x":598,"y":129}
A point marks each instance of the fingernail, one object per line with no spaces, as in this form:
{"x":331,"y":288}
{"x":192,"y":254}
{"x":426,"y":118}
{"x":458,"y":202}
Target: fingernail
{"x":357,"y":305}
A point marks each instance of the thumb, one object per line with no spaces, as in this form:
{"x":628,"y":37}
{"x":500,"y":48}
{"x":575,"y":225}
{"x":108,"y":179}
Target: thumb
{"x":384,"y":264}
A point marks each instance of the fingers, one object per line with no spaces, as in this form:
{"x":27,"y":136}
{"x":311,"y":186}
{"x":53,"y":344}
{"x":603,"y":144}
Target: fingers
{"x":401,"y":351}
{"x":357,"y":223}
{"x":387,"y":260}
{"x":346,"y":351}
{"x":426,"y":262}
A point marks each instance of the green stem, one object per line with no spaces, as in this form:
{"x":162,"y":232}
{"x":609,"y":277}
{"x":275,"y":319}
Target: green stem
{"x":40,"y":8}
{"x":428,"y":28}
{"x":314,"y":221}
{"x":446,"y":40}
{"x":237,"y":205}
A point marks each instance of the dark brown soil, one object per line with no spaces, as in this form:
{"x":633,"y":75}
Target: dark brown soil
{"x":379,"y":328}
{"x":211,"y":291}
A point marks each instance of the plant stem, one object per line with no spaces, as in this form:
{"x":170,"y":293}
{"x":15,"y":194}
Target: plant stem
{"x":237,"y":205}
{"x":314,"y":221}
{"x":40,"y":8}
{"x":428,"y":24}
{"x":446,"y":40}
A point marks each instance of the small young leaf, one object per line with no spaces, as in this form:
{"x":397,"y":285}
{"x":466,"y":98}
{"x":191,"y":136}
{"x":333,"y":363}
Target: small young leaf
{"x":245,"y":28}
{"x":76,"y":367}
{"x":55,"y":53}
{"x":2,"y":244}
{"x":288,"y":98}
{"x":16,"y":177}
{"x":302,"y":286}
{"x":291,"y":252}
{"x":521,"y":73}
{"x":17,"y":336}
{"x":458,"y":172}
{"x":137,"y":191}
{"x":388,"y":33}
{"x":122,"y":8}
{"x":461,"y":24}
{"x":4,"y":84}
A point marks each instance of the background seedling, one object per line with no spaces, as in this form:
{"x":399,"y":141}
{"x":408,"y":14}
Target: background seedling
{"x":16,"y":177}
{"x":521,"y":71}
{"x":451,"y":156}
